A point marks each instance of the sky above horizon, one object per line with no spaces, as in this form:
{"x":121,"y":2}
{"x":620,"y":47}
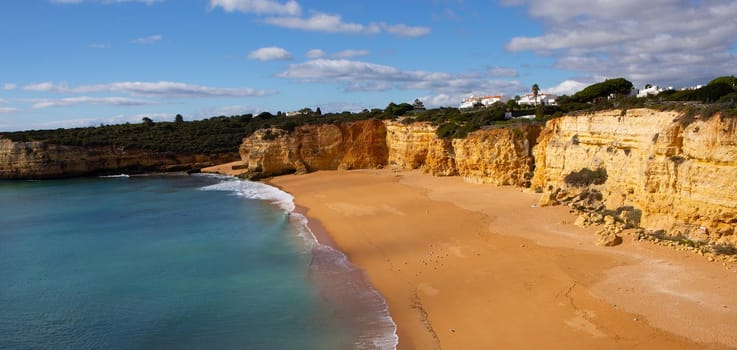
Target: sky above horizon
{"x":68,"y":63}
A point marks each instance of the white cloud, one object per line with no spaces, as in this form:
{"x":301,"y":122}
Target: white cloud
{"x":323,"y":22}
{"x":9,"y":86}
{"x":263,"y":7}
{"x":365,"y":76}
{"x":152,"y":89}
{"x":503,"y":72}
{"x":148,"y":39}
{"x":350,"y":53}
{"x":8,"y":110}
{"x":405,"y":30}
{"x":86,"y":100}
{"x":669,"y":42}
{"x":332,"y":23}
{"x":365,"y":86}
{"x":46,"y":87}
{"x":322,"y":69}
{"x":315,"y":53}
{"x":442,"y":100}
{"x":272,"y":53}
{"x":567,"y":87}
{"x":289,"y":15}
{"x":147,"y":2}
{"x":227,"y":111}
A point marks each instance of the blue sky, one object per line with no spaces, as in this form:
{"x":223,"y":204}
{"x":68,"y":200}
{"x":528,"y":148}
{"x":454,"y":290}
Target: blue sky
{"x":84,"y":62}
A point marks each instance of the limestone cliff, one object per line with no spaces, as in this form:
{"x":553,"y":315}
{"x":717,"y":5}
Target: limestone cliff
{"x":349,"y":145}
{"x":41,"y":160}
{"x":679,"y":176}
{"x":500,"y":155}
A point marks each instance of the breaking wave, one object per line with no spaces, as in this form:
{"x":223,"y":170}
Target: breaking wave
{"x":342,"y":284}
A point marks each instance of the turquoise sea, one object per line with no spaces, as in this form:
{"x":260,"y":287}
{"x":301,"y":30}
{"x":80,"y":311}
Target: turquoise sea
{"x":174,"y":262}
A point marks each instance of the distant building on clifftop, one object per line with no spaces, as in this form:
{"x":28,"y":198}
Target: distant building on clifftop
{"x":542,"y":98}
{"x":479,"y":101}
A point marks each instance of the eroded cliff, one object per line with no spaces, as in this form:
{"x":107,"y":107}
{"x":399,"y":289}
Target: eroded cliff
{"x":677,"y":176}
{"x":350,"y":145}
{"x":41,"y":160}
{"x":499,"y":155}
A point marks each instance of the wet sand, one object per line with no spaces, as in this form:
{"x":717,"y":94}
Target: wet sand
{"x":466,"y":266}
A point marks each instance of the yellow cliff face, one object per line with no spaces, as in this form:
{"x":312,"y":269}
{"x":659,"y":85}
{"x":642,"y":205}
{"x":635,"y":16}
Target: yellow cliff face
{"x":351,"y":145}
{"x":417,"y":146}
{"x":500,"y":156}
{"x":681,"y":177}
{"x":40,"y":160}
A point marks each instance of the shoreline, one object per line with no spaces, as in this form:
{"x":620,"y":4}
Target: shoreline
{"x":498,"y":282}
{"x":352,"y":297}
{"x":359,"y":310}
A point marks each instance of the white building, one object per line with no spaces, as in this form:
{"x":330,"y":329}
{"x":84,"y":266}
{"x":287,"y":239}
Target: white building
{"x":542,"y":98}
{"x":474,"y":101}
{"x":652,"y":90}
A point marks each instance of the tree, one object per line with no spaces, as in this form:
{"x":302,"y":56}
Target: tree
{"x":396,"y":110}
{"x":318,"y":112}
{"x":147,"y":120}
{"x":265,"y":115}
{"x":512,"y":104}
{"x":179,"y":119}
{"x":730,"y":80}
{"x":535,"y":91}
{"x":418,"y":104}
{"x":603,"y":90}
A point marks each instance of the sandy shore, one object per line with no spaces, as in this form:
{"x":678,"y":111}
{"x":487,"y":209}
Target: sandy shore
{"x":227,"y":169}
{"x":467,"y":266}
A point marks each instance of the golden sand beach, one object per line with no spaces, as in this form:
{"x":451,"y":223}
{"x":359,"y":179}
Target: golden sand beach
{"x":467,"y":266}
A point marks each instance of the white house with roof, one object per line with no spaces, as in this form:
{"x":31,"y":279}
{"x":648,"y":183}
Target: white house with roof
{"x":474,"y":101}
{"x":542,"y":98}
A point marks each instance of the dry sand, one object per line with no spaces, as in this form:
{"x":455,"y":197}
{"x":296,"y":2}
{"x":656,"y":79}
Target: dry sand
{"x":467,"y":266}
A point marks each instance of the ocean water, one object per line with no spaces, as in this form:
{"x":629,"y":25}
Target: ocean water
{"x":174,"y":262}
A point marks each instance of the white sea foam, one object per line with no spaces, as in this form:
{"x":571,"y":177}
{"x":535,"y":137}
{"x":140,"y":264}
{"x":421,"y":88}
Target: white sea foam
{"x":115,"y":176}
{"x":341,"y":279}
{"x":255,"y":190}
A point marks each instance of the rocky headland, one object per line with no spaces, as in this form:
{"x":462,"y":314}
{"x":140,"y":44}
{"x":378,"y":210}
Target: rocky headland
{"x":43,"y":160}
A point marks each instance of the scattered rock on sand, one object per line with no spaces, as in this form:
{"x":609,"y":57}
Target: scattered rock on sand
{"x":607,"y":238}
